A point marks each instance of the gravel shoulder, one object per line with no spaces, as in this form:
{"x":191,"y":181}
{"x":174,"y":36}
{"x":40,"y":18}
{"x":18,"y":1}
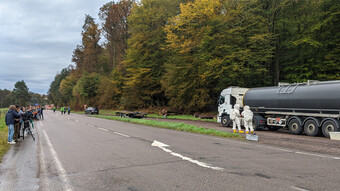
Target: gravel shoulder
{"x":282,"y":138}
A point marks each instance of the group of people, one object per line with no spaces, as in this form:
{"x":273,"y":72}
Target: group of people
{"x":246,"y":115}
{"x":63,"y":110}
{"x":17,"y":116}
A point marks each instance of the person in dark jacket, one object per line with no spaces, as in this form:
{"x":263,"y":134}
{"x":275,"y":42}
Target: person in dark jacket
{"x":16,"y":125}
{"x":10,"y":120}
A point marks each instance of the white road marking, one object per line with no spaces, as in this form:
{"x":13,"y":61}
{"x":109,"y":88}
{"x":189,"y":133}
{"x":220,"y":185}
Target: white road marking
{"x":297,"y":188}
{"x":121,"y":134}
{"x":60,"y":168}
{"x":102,"y":129}
{"x":44,"y":180}
{"x":91,"y":125}
{"x":202,"y":164}
{"x":83,"y":123}
{"x":311,"y":154}
{"x":76,"y":121}
{"x":273,"y":148}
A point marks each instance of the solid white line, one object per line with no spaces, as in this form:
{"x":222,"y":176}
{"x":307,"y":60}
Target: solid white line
{"x":297,"y":188}
{"x":44,"y":180}
{"x":60,"y":168}
{"x":202,"y":164}
{"x":102,"y":129}
{"x":121,"y":134}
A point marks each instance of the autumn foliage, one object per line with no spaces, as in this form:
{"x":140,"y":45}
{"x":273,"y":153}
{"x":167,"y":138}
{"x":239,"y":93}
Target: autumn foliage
{"x":182,"y":53}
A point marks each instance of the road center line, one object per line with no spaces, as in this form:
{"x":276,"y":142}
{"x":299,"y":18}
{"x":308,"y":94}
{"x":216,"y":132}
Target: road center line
{"x":102,"y":129}
{"x":121,"y":134}
{"x":278,"y":149}
{"x":202,"y":164}
{"x":310,"y":154}
{"x":60,"y":168}
{"x":297,"y":188}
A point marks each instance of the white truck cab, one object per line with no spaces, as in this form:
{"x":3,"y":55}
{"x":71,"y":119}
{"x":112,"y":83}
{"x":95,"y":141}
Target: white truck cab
{"x":228,"y":98}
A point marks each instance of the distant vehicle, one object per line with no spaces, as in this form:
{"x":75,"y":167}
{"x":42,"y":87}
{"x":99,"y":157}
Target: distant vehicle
{"x":91,"y":110}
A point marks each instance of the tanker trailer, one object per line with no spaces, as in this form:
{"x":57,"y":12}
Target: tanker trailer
{"x":312,"y":107}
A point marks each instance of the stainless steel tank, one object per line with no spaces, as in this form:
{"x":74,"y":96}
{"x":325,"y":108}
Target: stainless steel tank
{"x":317,"y":97}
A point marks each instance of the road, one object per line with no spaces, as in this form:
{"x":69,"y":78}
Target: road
{"x":76,"y":152}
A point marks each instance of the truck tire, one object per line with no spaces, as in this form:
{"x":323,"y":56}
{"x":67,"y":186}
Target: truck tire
{"x":311,"y":128}
{"x":328,"y":126}
{"x":225,"y":121}
{"x":294,"y":126}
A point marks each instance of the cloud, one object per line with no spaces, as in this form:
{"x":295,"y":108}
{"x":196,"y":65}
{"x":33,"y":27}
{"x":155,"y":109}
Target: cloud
{"x":37,"y":38}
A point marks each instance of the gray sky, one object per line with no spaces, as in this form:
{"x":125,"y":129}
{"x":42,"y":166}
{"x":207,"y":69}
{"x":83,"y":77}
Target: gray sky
{"x":37,"y":38}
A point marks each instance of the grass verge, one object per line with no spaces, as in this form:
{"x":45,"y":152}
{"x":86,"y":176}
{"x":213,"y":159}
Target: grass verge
{"x":4,"y":147}
{"x":174,"y":126}
{"x":185,"y":117}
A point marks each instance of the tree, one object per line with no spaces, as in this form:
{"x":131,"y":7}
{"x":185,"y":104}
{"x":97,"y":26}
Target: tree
{"x":213,"y":44}
{"x":20,"y":94}
{"x":145,"y":55}
{"x":54,"y":94}
{"x":116,"y":29}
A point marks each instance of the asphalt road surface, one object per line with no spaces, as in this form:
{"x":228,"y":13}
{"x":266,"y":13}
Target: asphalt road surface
{"x":76,"y":152}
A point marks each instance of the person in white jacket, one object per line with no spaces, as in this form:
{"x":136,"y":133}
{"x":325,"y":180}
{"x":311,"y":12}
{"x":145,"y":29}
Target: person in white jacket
{"x":236,"y":118}
{"x":247,"y":115}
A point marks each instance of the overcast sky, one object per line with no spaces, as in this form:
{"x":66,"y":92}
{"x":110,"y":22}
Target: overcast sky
{"x":37,"y":38}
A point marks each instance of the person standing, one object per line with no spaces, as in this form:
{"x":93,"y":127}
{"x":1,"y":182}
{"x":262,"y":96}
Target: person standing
{"x":10,"y":121}
{"x":16,"y":125}
{"x":68,"y":110}
{"x":248,"y":119}
{"x":53,"y":109}
{"x":236,"y":118}
{"x":62,"y":110}
{"x":42,"y":112}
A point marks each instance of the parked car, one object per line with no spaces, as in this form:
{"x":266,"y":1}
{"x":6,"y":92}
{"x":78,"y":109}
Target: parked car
{"x":91,"y":110}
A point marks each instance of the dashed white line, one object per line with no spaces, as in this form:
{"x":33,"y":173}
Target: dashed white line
{"x":316,"y":155}
{"x":91,"y":125}
{"x":76,"y":121}
{"x":121,"y":134}
{"x":102,"y":129}
{"x":273,"y":148}
{"x":297,"y":188}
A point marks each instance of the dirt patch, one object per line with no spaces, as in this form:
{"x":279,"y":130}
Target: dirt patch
{"x":281,"y":138}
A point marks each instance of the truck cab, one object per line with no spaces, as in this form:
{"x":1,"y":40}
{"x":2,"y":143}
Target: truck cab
{"x":228,"y":98}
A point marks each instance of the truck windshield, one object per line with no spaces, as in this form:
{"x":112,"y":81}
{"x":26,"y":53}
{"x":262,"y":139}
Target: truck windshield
{"x":221,"y":100}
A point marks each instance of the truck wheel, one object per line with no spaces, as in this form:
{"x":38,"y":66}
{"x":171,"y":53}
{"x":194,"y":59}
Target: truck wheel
{"x":311,"y":128}
{"x":328,"y":126}
{"x":294,"y":126}
{"x":225,"y":121}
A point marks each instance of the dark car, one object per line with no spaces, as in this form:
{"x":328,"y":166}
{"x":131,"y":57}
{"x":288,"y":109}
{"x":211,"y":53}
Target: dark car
{"x":91,"y":110}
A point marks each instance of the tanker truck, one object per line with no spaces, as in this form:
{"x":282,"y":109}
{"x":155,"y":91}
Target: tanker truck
{"x":311,"y":107}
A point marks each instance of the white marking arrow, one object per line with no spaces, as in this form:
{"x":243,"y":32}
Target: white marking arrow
{"x":202,"y":164}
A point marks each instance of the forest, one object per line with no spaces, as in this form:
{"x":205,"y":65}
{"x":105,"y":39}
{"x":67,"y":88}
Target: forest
{"x":21,"y":96}
{"x":181,"y":54}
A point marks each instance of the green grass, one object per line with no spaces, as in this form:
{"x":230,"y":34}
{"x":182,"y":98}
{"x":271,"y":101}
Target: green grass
{"x":174,"y":126}
{"x":4,"y":147}
{"x":186,"y":117}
